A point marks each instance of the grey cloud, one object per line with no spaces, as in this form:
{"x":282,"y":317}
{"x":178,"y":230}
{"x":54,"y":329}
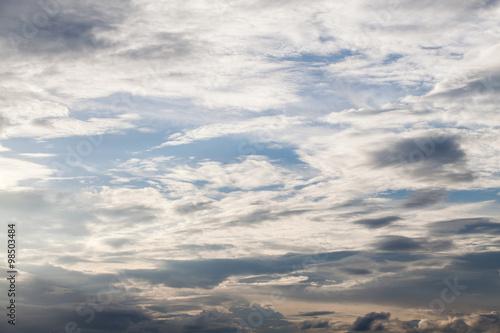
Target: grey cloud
{"x":207,"y":321}
{"x":262,"y":215}
{"x":293,"y":212}
{"x":465,"y":226}
{"x":117,"y":319}
{"x":173,"y":46}
{"x":262,"y":319}
{"x":71,"y":259}
{"x":191,"y":208}
{"x":423,"y":279}
{"x":480,"y":84}
{"x":253,"y":218}
{"x":66,"y":219}
{"x":456,"y":323}
{"x":4,"y":122}
{"x":426,"y":158}
{"x":58,"y":27}
{"x":423,"y":150}
{"x":211,"y":272}
{"x":205,"y":247}
{"x":378,"y":222}
{"x":356,"y":271}
{"x":479,"y":272}
{"x":398,"y":243}
{"x":315,"y":313}
{"x":47,"y":277}
{"x":402,"y":243}
{"x":310,"y":324}
{"x":173,"y":308}
{"x":479,"y":261}
{"x":111,"y":318}
{"x":118,"y":242}
{"x":257,"y":279}
{"x":369,"y":321}
{"x":474,"y":323}
{"x":424,"y":198}
{"x":129,"y":215}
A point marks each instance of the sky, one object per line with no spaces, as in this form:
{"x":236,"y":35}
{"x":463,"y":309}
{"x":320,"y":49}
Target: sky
{"x":251,"y":166}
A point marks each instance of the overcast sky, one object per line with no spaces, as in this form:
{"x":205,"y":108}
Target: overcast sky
{"x":251,"y":166}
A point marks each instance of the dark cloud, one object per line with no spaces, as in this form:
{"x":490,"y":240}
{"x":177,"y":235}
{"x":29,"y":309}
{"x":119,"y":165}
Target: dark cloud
{"x":173,"y":308}
{"x":479,"y":261}
{"x":262,"y":215}
{"x":293,"y":212}
{"x":368,"y":321}
{"x":309,"y":324}
{"x":424,"y":198}
{"x":465,"y":226}
{"x":398,"y":243}
{"x":477,"y":271}
{"x":49,"y":27}
{"x":423,"y":150}
{"x":211,"y":272}
{"x":56,"y":319}
{"x":426,"y":158}
{"x":474,"y":323}
{"x":378,"y":222}
{"x":356,"y":271}
{"x":402,"y":243}
{"x":418,"y":280}
{"x":124,"y":318}
{"x":205,"y":247}
{"x":172,"y":46}
{"x":261,"y":319}
{"x":208,"y":321}
{"x":117,"y":319}
{"x":253,"y":218}
{"x":315,"y":313}
{"x":191,"y":208}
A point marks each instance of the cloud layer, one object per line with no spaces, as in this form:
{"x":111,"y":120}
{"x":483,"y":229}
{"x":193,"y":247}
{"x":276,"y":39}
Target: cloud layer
{"x":235,"y":166}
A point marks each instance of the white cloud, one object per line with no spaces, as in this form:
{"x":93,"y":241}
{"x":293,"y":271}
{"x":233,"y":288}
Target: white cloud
{"x":268,"y":127}
{"x":16,"y":171}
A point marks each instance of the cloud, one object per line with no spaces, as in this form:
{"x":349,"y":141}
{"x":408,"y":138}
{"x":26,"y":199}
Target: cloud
{"x":209,"y":273}
{"x":402,"y":243}
{"x":15,"y":171}
{"x":173,"y":308}
{"x":53,"y":27}
{"x":189,"y":208}
{"x":70,"y":260}
{"x":315,"y":313}
{"x":369,"y":322}
{"x":261,"y":318}
{"x":266,"y":126}
{"x":478,"y":261}
{"x":378,"y":222}
{"x":346,"y":106}
{"x":427,"y":158}
{"x":477,"y":322}
{"x":118,"y":242}
{"x":356,"y":271}
{"x":424,"y":198}
{"x":310,"y":324}
{"x":465,"y":226}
